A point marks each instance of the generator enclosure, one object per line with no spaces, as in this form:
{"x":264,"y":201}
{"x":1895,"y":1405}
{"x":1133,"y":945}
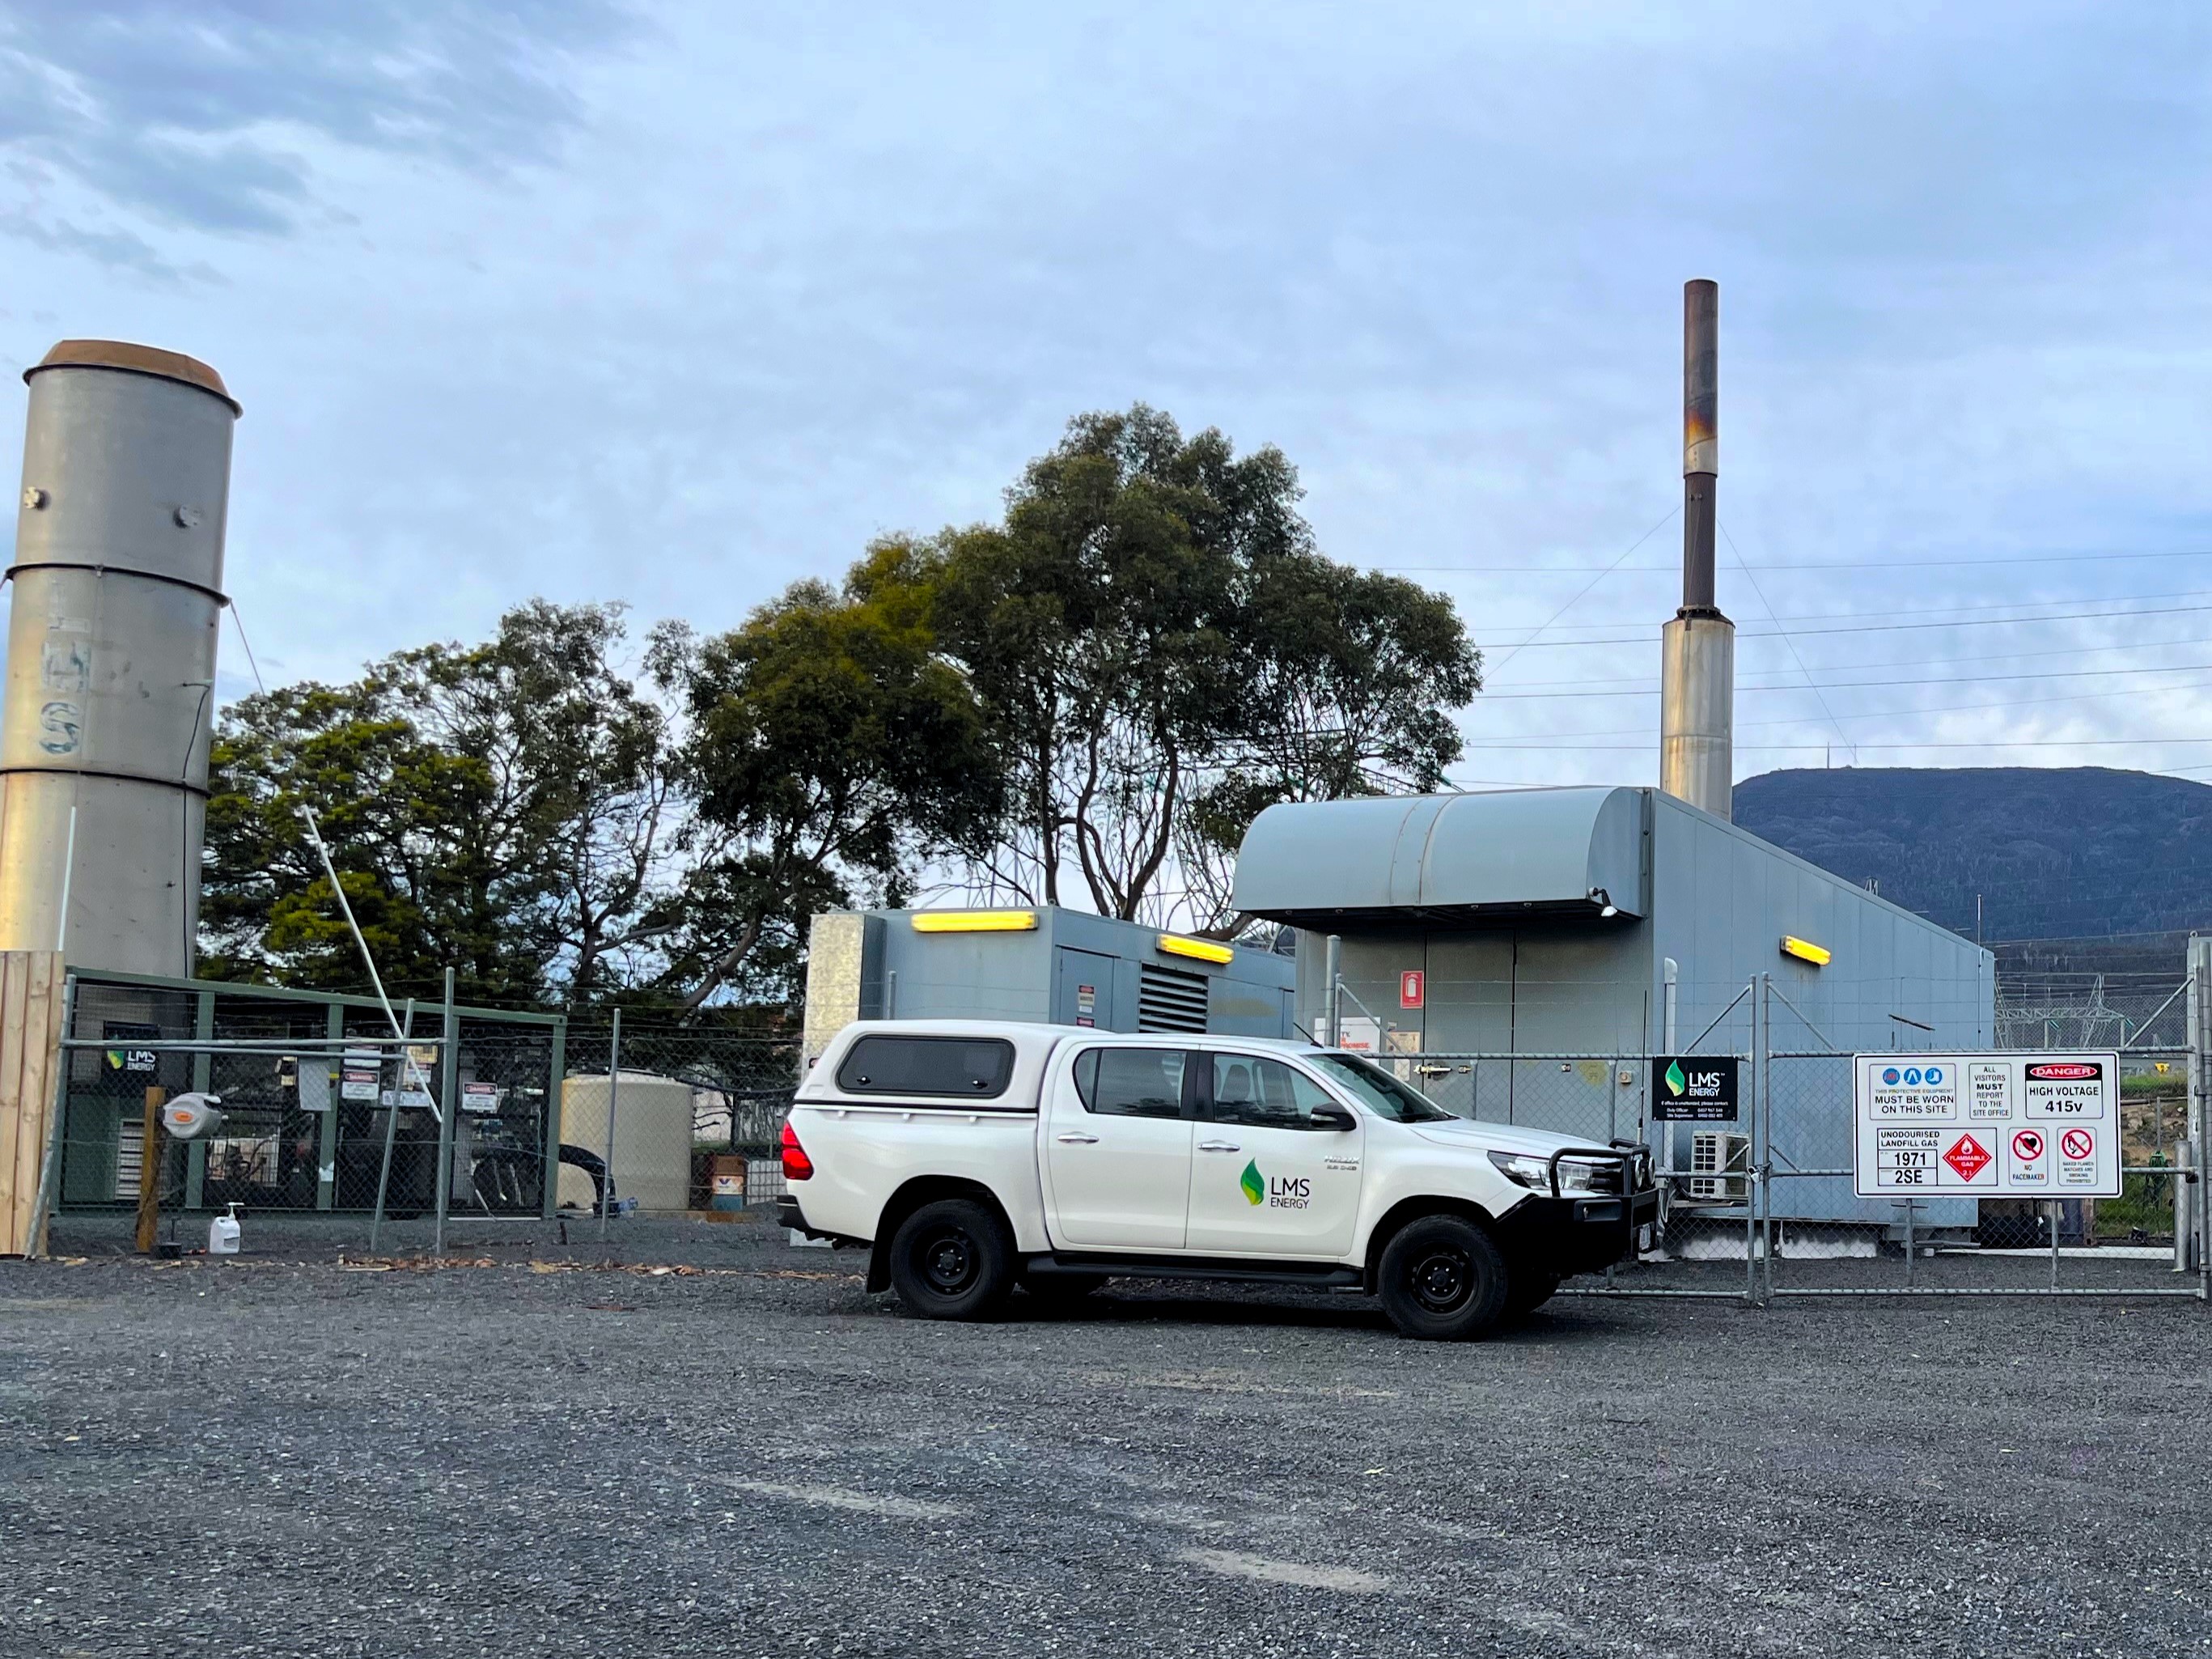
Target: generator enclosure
{"x":1055,"y":966}
{"x":1613,"y":924}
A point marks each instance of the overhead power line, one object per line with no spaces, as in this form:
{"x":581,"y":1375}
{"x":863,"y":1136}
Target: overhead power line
{"x":1882,"y":684}
{"x":1891,"y":627}
{"x":1540,"y":742}
{"x":1844,"y":564}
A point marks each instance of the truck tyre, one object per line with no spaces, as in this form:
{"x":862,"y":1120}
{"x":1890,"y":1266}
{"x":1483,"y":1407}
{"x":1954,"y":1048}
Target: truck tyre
{"x":1528,"y":1290}
{"x":952,"y":1260}
{"x":1442,"y":1280}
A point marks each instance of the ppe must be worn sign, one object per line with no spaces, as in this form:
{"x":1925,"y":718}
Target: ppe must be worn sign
{"x":2024,"y":1125}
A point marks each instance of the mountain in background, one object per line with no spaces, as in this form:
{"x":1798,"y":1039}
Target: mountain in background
{"x":2079,"y":871}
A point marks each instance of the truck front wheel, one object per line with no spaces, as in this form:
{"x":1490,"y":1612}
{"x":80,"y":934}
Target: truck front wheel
{"x":1442,"y":1280}
{"x":952,"y":1260}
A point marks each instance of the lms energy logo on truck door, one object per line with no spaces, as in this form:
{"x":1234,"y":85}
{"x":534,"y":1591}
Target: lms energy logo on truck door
{"x":1283,"y":1193}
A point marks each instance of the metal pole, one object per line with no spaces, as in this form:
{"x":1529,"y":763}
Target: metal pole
{"x":2188,"y":1234}
{"x":1909,"y":1243}
{"x":448,"y":1068}
{"x":391,"y":1129}
{"x":1333,"y":981}
{"x":1670,"y":973}
{"x":614,"y":1087}
{"x":1751,"y":1163}
{"x":2056,"y":1207}
{"x":49,"y":1165}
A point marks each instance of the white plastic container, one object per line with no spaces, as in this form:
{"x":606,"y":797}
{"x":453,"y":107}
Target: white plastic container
{"x":222,"y":1234}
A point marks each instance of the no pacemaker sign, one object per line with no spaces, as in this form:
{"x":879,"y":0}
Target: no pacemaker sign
{"x":2017,"y":1125}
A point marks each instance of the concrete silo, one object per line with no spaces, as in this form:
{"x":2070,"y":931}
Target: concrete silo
{"x":111,"y":655}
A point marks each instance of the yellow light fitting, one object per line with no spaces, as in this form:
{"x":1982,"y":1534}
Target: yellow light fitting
{"x":974,"y":921}
{"x":1805,"y":950}
{"x":1205,"y":949}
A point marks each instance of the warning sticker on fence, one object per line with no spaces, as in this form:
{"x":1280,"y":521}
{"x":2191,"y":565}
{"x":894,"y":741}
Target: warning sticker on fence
{"x":1995,"y":1126}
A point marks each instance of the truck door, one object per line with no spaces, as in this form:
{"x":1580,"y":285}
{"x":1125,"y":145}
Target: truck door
{"x":1265,"y":1180}
{"x":1117,"y":1136}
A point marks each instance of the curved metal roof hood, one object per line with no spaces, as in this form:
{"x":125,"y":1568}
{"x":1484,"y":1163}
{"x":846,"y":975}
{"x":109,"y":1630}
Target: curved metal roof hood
{"x":1573,"y":853}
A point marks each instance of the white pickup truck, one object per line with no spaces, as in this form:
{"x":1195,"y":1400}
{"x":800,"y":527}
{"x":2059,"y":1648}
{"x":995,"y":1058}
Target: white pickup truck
{"x":971,"y":1157}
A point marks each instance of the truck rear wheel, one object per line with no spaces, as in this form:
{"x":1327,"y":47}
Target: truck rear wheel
{"x":952,"y":1260}
{"x":1442,"y":1280}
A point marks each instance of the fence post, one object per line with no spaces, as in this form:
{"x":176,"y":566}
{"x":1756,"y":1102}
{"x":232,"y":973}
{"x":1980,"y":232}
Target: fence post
{"x":1332,"y":992}
{"x":1751,"y":1156}
{"x":42,"y":1206}
{"x":391,"y":1126}
{"x":2188,"y":1228}
{"x":326,"y":1130}
{"x":556,"y":1102}
{"x":449,"y":1056}
{"x":196,"y":1152}
{"x":614,"y":1086}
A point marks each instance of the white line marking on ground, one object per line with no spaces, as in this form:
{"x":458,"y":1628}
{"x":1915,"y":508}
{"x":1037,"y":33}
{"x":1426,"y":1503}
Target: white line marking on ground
{"x":834,"y":1497}
{"x":1269,"y":1571}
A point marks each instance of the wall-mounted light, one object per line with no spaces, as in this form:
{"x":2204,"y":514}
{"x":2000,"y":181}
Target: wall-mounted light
{"x":1205,"y":949}
{"x":974,"y":921}
{"x":1605,"y":907}
{"x":1805,"y":950}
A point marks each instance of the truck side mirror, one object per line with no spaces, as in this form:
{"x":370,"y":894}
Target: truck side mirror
{"x":1333,"y":1117}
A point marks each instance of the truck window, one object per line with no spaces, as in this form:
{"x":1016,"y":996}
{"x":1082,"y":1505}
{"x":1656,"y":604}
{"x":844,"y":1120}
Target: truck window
{"x":1130,"y":1082}
{"x":1263,"y":1094}
{"x":975,"y":1067}
{"x":1399,"y":1102}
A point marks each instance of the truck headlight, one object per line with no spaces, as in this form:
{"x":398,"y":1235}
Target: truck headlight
{"x":1524,"y":1170}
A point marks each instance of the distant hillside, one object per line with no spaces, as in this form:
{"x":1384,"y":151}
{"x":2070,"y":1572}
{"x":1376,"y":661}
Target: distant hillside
{"x":2079,"y":870}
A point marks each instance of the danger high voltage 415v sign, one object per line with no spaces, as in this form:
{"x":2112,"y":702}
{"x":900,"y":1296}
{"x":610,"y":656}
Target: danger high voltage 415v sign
{"x":1987,"y":1126}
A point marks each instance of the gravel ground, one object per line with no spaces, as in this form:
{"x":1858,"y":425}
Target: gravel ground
{"x":542,"y":1456}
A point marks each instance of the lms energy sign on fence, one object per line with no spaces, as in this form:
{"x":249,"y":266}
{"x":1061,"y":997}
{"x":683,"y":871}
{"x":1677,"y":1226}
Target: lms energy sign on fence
{"x":1989,"y":1126}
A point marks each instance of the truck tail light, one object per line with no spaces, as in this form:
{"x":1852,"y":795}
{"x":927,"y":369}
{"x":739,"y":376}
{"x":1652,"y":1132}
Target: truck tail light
{"x":797,"y":1166}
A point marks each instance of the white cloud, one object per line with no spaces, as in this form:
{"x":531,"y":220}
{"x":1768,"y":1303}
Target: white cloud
{"x":678,"y":306}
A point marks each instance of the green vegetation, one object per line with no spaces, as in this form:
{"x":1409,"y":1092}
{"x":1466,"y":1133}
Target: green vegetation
{"x":1087,"y":701}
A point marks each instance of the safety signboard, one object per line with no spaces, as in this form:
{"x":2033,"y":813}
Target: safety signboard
{"x":1987,"y":1126}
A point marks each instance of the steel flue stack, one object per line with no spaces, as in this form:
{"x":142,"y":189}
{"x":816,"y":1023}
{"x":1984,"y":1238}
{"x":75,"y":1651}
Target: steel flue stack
{"x":1697,"y":677}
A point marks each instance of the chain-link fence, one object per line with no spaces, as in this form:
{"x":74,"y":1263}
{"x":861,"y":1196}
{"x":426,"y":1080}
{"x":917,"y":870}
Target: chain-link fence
{"x":325,"y":1109}
{"x":693,"y":1116}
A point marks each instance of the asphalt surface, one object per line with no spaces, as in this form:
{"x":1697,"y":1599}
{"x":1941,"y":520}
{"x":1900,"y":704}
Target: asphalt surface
{"x":283,"y":1456}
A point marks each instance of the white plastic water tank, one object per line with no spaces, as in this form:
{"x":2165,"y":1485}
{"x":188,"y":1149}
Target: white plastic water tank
{"x":651,"y":1160}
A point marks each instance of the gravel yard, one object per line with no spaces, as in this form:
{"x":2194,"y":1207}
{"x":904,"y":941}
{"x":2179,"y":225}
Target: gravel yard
{"x":540,"y":1455}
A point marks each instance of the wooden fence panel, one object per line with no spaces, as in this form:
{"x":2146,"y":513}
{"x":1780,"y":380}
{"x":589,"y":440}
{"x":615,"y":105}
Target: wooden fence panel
{"x":30,"y":1054}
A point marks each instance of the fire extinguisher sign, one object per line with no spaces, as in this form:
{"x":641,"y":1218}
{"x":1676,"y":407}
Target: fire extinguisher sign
{"x":2020,"y":1125}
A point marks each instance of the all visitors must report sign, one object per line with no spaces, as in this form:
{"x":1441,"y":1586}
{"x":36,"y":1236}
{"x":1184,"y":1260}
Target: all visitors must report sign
{"x":2022,"y":1125}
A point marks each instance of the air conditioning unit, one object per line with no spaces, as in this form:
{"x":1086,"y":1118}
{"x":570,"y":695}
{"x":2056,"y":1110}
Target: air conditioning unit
{"x":1719,"y":1167}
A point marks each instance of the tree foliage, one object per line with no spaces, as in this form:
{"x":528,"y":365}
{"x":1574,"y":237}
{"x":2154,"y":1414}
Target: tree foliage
{"x":1162,"y":653}
{"x":1087,"y":701}
{"x":503,"y":808}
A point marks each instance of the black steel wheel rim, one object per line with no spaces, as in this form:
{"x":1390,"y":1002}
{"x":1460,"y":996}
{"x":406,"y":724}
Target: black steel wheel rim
{"x":1443,"y":1280}
{"x":948,"y":1261}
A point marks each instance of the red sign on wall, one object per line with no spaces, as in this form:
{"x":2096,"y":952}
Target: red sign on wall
{"x":1410,"y":988}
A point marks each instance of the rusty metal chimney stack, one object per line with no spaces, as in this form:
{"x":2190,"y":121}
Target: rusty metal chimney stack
{"x":1697,"y":662}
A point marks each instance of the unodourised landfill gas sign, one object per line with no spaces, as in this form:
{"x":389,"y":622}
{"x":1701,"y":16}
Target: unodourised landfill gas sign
{"x":1987,"y":1126}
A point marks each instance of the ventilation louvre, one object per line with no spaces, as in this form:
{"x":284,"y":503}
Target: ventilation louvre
{"x":1169,"y":999}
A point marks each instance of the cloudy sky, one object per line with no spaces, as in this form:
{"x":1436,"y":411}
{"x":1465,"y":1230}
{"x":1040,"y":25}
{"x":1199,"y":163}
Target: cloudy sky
{"x":675,"y":303}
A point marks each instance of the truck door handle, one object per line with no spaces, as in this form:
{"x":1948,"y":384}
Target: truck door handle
{"x":1219,"y":1146}
{"x":1078,"y":1139}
